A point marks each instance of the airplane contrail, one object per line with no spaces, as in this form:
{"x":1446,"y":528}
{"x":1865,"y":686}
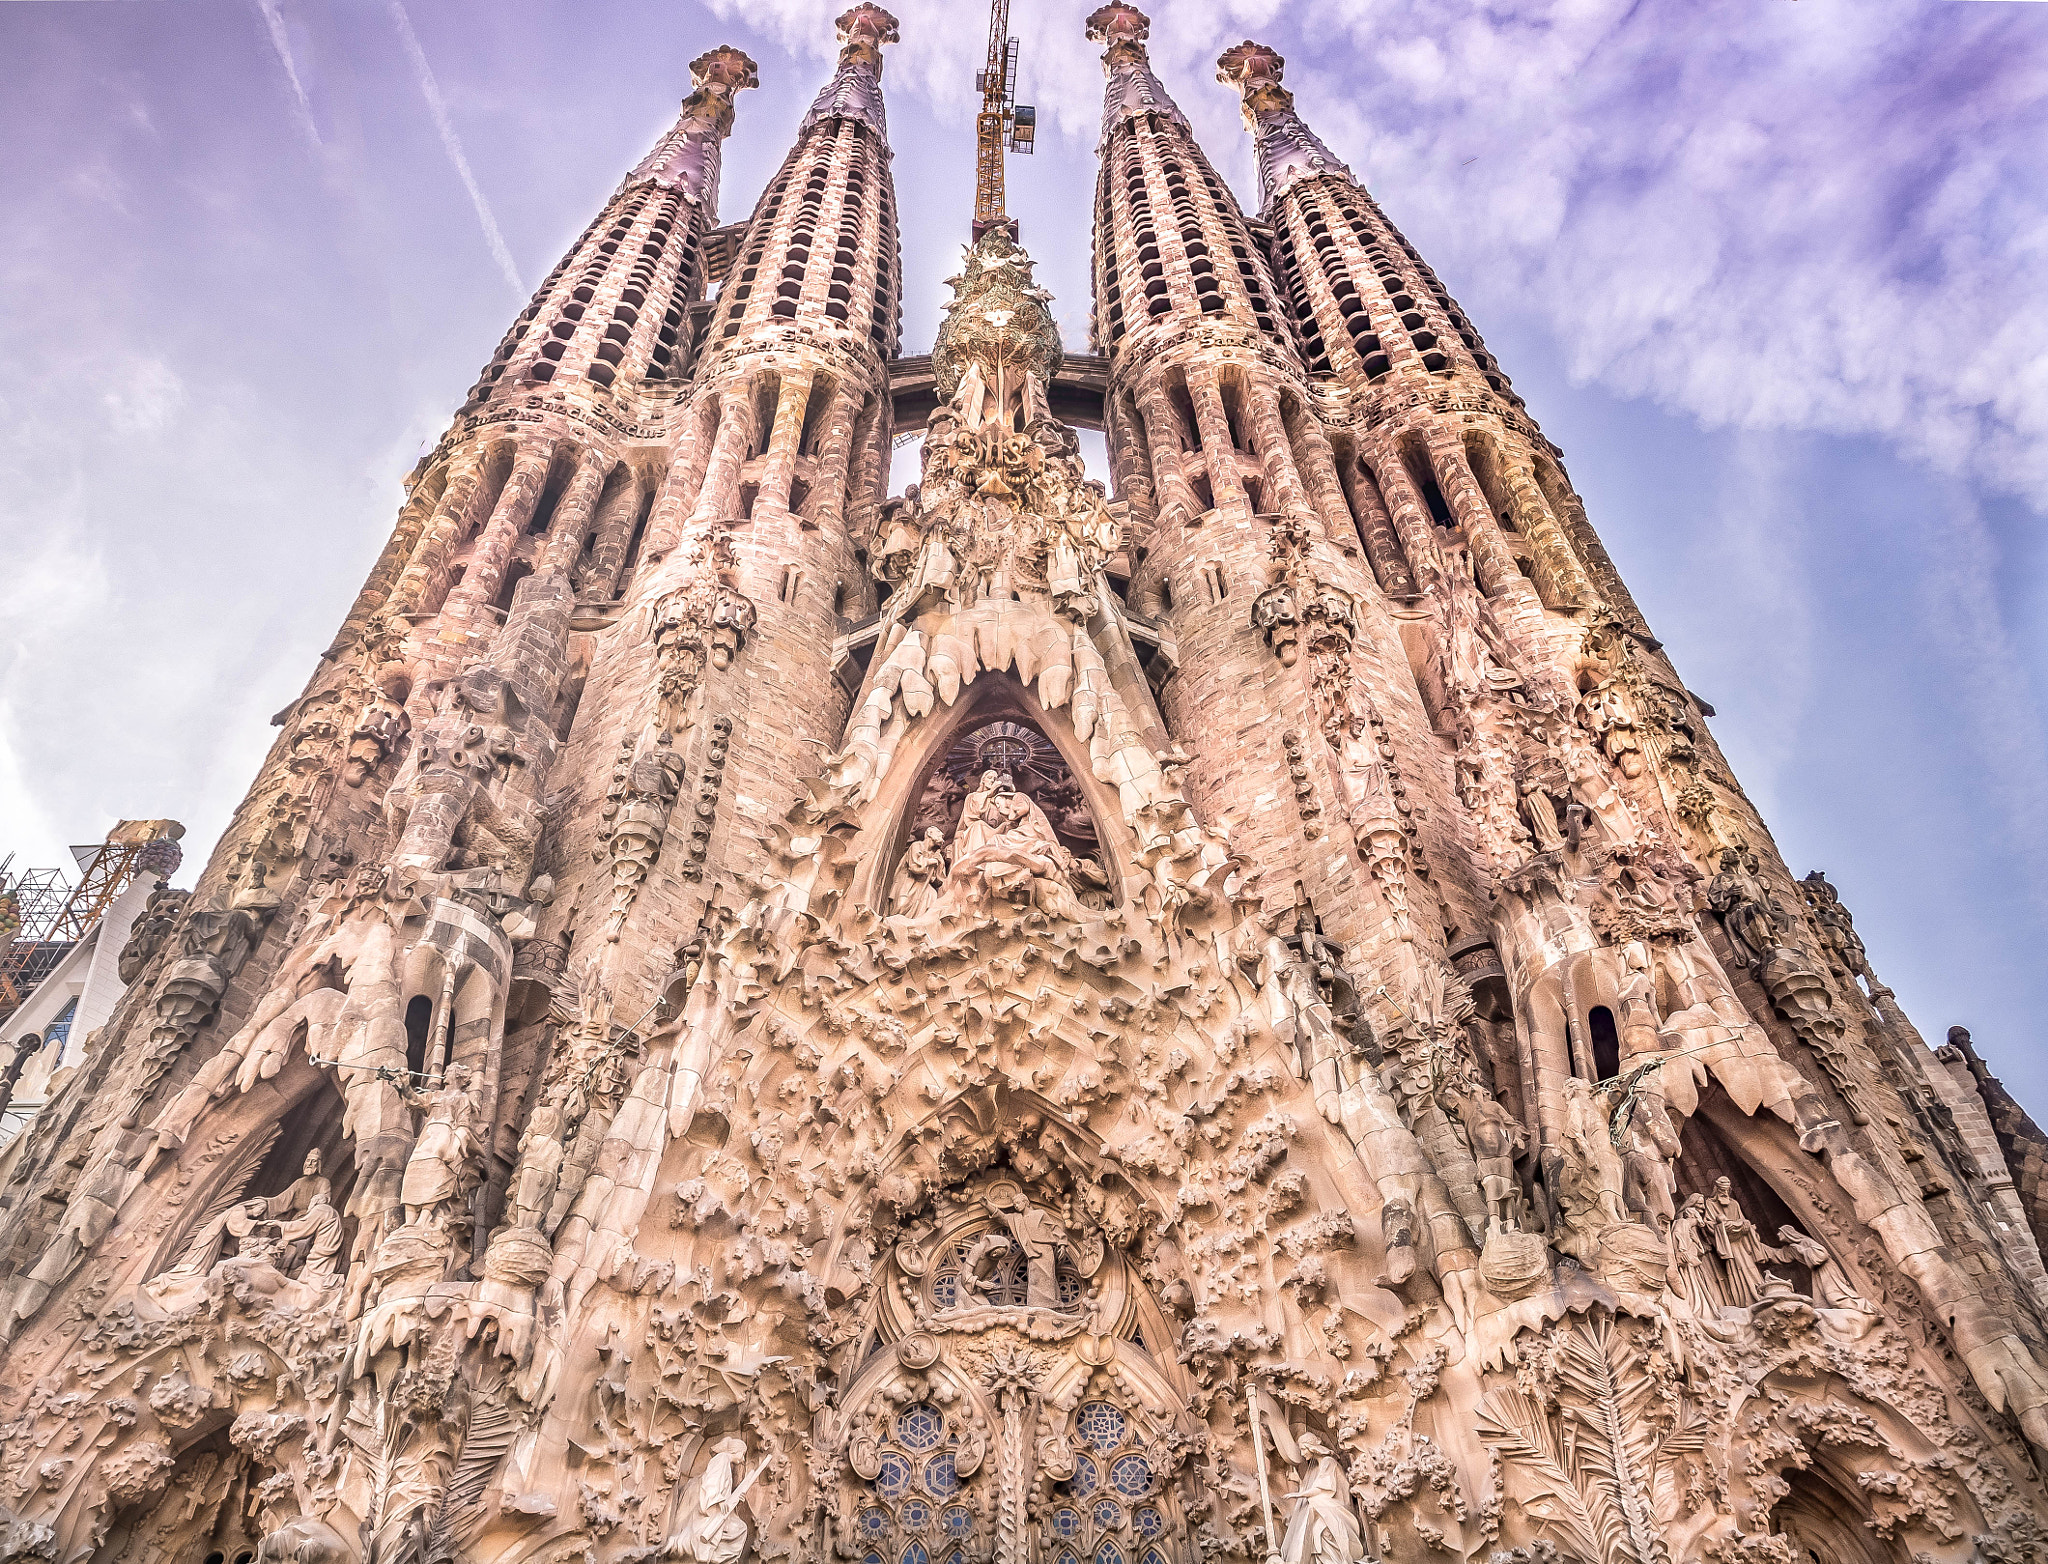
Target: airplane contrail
{"x":436,"y":105}
{"x":273,"y":22}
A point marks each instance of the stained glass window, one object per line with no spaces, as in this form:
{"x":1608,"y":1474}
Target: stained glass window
{"x":1101,"y":1424}
{"x":1111,"y":1468}
{"x":920,"y":1427}
{"x":893,"y":1481}
{"x":940,"y":1477}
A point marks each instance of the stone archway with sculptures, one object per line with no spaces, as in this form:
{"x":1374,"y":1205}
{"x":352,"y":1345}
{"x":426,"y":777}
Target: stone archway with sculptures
{"x":748,"y":1020}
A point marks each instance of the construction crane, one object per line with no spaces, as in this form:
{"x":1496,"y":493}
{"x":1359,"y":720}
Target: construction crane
{"x":1003,"y":122}
{"x":41,"y":917}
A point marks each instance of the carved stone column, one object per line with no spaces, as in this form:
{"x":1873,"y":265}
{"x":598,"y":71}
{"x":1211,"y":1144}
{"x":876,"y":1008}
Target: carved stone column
{"x":1269,"y":439}
{"x":718,"y":498}
{"x":515,"y":506}
{"x":1382,"y":545}
{"x":1410,"y":515}
{"x":572,"y":512}
{"x":1492,"y":561}
{"x":672,"y":507}
{"x":779,"y":469}
{"x":1226,"y":484}
{"x":1163,"y":435}
{"x":1560,"y":578}
{"x":614,"y":537}
{"x":466,"y":494}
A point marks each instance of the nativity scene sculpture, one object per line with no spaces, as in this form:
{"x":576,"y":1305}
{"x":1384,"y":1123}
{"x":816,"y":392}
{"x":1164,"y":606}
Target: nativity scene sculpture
{"x":748,"y":1020}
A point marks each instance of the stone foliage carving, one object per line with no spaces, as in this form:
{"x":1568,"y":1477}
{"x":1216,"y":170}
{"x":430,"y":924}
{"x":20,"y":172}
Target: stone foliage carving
{"x":724,"y":1071}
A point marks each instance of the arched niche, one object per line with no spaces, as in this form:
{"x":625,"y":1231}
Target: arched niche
{"x":274,"y":1136}
{"x":1823,"y":1524}
{"x":933,"y":745}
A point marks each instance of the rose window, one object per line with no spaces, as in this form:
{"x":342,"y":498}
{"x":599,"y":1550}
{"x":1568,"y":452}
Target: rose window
{"x":912,"y":1511}
{"x":1109,"y":1511}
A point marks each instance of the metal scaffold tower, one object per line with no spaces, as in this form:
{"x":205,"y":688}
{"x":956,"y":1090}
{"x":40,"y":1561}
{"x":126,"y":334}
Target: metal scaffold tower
{"x":42,"y":916}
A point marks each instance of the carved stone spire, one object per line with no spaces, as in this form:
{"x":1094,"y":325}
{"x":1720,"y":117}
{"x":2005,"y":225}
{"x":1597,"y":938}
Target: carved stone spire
{"x":1287,"y":149}
{"x":998,"y":319}
{"x":1133,"y":89}
{"x":688,"y":157}
{"x":855,"y":90}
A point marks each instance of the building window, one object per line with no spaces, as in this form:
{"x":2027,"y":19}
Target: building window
{"x":60,"y":1029}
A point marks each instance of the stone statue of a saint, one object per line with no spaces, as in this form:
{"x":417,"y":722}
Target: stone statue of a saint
{"x":1692,"y":1274}
{"x":437,"y":1172}
{"x":1323,"y":1528}
{"x":1832,"y":1288}
{"x":1006,"y":848}
{"x":1649,"y":1146}
{"x":1036,"y":1235}
{"x":1736,"y":1241}
{"x":710,"y":1529}
{"x":921,"y":876}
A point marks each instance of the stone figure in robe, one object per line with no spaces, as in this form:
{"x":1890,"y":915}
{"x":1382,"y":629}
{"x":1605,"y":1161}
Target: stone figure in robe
{"x":1692,"y":1274}
{"x":921,"y":876}
{"x":437,"y":1171}
{"x":1006,"y":847}
{"x":1036,"y":1236}
{"x":710,"y":1529}
{"x":1737,"y":1242}
{"x":1832,"y":1288}
{"x":1323,"y":1528}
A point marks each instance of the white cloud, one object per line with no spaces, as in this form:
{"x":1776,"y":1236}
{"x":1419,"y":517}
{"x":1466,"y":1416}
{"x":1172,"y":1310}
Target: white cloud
{"x":1815,"y":216}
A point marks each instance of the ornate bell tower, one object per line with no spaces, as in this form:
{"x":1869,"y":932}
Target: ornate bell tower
{"x":749,"y":1018}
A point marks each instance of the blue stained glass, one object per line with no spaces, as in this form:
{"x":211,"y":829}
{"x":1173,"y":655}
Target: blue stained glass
{"x":1109,"y":1553}
{"x":916,"y":1515}
{"x":893,"y":1480}
{"x":920,"y":1427}
{"x":1101,"y":1424}
{"x":1154,"y":1556}
{"x":874,"y":1521}
{"x":946,"y":1290}
{"x":915,"y":1554}
{"x":939,"y":1476}
{"x":871,"y":1557}
{"x":1067,"y":1557}
{"x":1066,"y":1522}
{"x":1149,"y":1523}
{"x":1131,"y":1474}
{"x":958,"y":1521}
{"x":1070,"y":1288}
{"x":1085,"y":1479}
{"x":1107,"y":1512}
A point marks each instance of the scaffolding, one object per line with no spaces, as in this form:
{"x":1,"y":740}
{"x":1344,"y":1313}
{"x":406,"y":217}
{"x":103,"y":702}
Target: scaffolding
{"x":42,"y":915}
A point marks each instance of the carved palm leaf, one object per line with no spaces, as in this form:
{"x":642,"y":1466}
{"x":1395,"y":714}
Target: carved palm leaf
{"x":1607,"y":1399}
{"x":484,"y":1443}
{"x":1522,"y":1436}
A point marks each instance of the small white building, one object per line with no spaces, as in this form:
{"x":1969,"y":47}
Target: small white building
{"x":47,"y":1035}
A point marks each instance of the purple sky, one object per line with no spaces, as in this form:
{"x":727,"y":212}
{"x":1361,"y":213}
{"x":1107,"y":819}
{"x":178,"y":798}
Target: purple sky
{"x":1772,"y":273}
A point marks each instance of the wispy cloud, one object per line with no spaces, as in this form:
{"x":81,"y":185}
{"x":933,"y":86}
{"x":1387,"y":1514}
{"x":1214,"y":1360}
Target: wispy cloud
{"x":452,"y":143}
{"x":273,"y":25}
{"x":1809,"y":217}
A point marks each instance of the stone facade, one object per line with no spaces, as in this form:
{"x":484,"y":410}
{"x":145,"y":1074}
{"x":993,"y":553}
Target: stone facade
{"x":747,"y":1018}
